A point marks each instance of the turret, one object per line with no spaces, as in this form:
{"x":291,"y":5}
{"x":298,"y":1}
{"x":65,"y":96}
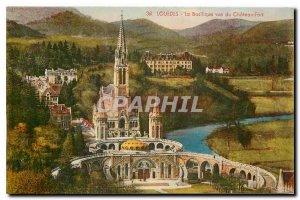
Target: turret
{"x":155,"y":123}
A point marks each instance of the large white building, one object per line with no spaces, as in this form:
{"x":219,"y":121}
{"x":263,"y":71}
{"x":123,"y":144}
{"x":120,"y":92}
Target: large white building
{"x":168,"y":62}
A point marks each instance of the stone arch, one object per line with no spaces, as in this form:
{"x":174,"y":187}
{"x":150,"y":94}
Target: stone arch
{"x":242,"y":174}
{"x":167,"y":147}
{"x":216,"y":169}
{"x":151,"y":146}
{"x":103,"y":146}
{"x":160,"y":146}
{"x":192,"y":167}
{"x":111,"y":146}
{"x":253,"y":178}
{"x":152,"y":163}
{"x":231,"y":172}
{"x":249,"y":176}
{"x":96,"y":166}
{"x":205,"y":170}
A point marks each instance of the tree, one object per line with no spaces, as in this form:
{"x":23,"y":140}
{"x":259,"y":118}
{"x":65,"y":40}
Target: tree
{"x":68,"y":148}
{"x":79,"y":141}
{"x":244,"y":136}
{"x":29,"y":182}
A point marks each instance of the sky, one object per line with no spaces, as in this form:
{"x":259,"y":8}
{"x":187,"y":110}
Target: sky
{"x":181,"y":20}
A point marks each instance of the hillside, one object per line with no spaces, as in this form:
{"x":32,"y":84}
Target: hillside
{"x":147,"y":28}
{"x":69,"y":23}
{"x":271,"y":32}
{"x":141,"y":34}
{"x":23,"y":15}
{"x":18,"y":30}
{"x":217,"y":25}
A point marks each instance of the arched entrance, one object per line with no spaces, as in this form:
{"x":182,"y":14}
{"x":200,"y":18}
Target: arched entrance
{"x":160,"y":146}
{"x":205,"y":170}
{"x":231,"y":172}
{"x":249,"y":176}
{"x":111,"y":146}
{"x":216,"y":170}
{"x":151,"y":146}
{"x":103,"y":146}
{"x":167,"y":147}
{"x":242,"y":174}
{"x":143,"y":170}
{"x":192,"y":167}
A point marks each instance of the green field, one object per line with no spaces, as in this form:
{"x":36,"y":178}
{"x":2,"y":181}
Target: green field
{"x":264,"y":83}
{"x":271,"y":95}
{"x":273,"y":105}
{"x":272,"y":145}
{"x":172,"y":82}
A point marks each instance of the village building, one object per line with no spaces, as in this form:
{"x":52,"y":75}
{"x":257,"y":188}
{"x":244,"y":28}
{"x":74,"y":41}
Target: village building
{"x":51,"y":94}
{"x":48,"y":86}
{"x":168,"y":62}
{"x":217,"y":70}
{"x":61,"y":76}
{"x":61,"y":116}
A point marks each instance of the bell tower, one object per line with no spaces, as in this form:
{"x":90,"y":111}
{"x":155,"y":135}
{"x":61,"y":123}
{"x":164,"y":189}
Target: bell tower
{"x":155,"y":123}
{"x":121,"y":68}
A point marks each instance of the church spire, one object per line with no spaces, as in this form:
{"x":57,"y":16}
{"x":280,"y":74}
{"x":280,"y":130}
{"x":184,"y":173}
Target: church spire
{"x":121,"y":46}
{"x":121,"y":69}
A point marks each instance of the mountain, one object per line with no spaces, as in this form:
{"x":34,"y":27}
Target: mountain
{"x":13,"y":29}
{"x":142,"y":34}
{"x":148,"y":29}
{"x":23,"y":15}
{"x":270,"y":32}
{"x":70,"y":23}
{"x":217,"y":25}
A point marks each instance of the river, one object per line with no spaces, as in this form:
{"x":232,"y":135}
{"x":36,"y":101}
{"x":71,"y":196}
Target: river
{"x":193,"y":139}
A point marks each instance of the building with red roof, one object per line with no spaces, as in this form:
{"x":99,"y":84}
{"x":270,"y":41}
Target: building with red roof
{"x":61,"y":116}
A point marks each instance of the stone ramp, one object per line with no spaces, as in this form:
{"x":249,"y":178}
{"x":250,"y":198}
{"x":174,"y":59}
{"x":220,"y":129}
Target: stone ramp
{"x":269,"y":181}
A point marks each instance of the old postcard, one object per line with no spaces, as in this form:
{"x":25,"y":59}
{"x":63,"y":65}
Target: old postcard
{"x":159,"y":100}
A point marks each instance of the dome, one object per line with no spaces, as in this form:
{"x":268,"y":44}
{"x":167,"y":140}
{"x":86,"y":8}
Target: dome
{"x":134,"y":145}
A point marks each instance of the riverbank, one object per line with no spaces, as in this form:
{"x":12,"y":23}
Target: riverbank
{"x":271,"y":147}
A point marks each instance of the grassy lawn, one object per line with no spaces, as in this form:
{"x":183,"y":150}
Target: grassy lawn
{"x":271,"y":95}
{"x":272,"y":145}
{"x":172,"y":82}
{"x":273,"y":105}
{"x":220,"y":90}
{"x":198,"y":188}
{"x":264,"y":83}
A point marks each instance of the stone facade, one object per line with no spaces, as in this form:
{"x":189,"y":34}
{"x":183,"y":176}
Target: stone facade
{"x":168,"y":62}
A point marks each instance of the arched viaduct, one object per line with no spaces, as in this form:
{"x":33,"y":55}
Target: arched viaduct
{"x":183,"y":166}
